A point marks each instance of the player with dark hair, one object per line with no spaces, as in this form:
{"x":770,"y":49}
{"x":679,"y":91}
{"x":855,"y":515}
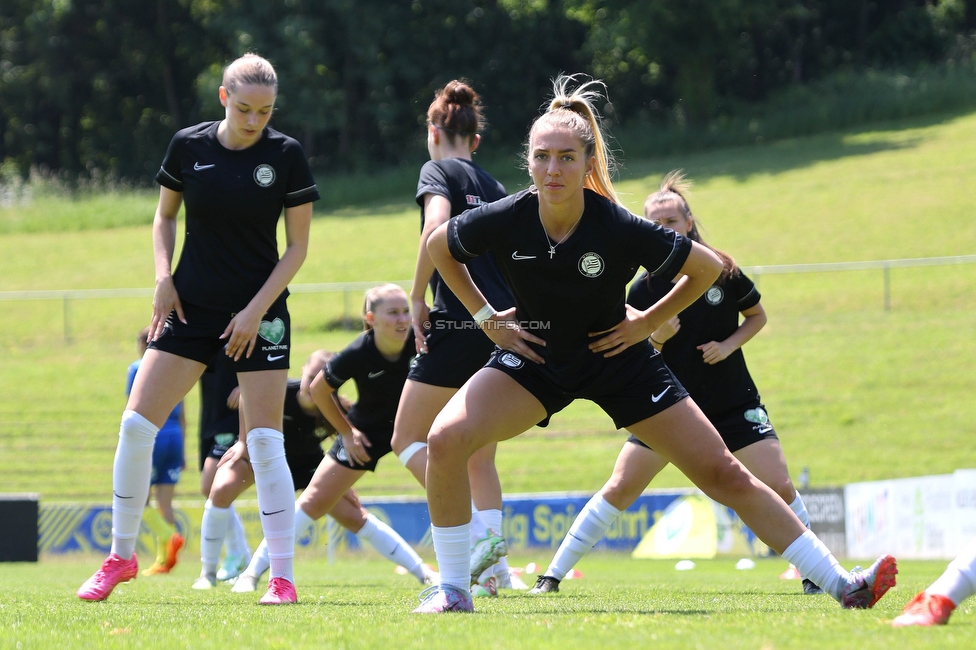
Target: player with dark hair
{"x":568,"y":249}
{"x":227,"y":296}
{"x":451,"y":346}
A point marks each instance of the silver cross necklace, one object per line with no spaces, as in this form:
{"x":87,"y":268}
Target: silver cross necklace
{"x":552,"y":247}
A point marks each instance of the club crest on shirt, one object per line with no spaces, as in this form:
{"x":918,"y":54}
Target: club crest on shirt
{"x":510,"y":360}
{"x":714,"y":295}
{"x":591,"y":265}
{"x":264,"y":175}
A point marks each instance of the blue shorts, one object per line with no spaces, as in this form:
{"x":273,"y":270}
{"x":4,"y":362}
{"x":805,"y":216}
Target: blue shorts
{"x":167,"y":457}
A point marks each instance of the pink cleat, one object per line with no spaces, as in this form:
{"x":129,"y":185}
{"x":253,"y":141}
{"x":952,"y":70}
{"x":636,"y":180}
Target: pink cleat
{"x":926,"y":610}
{"x":867,"y":587}
{"x":113,"y":571}
{"x":280,"y":592}
{"x":444,"y":598}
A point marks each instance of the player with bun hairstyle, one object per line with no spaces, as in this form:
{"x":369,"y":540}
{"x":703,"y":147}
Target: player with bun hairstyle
{"x":228,"y":295}
{"x":377,"y":361}
{"x":702,"y":346}
{"x":568,"y":250}
{"x":450,"y":345}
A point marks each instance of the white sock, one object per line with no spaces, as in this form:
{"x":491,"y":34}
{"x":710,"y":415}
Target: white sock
{"x":815,"y":562}
{"x":131,"y":473}
{"x":389,"y":544}
{"x":478,"y":525}
{"x":590,"y":526}
{"x":260,"y":561}
{"x":212,"y":532}
{"x":800,"y":510}
{"x":959,"y":580}
{"x":235,"y":539}
{"x":452,"y":546}
{"x":276,"y":498}
{"x":493,"y":519}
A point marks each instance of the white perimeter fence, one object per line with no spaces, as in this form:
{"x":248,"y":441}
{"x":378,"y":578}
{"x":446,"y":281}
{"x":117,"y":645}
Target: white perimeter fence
{"x":356,"y":288}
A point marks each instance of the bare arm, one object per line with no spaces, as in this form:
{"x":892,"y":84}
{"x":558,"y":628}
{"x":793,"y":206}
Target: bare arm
{"x":502,"y":328}
{"x":165,"y":298}
{"x":352,"y":439}
{"x":755,"y":320}
{"x":700,"y":270}
{"x":242,"y":331}
{"x":437,"y":210}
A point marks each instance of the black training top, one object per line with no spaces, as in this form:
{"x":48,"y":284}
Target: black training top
{"x":466,"y":186}
{"x":378,"y":381}
{"x":216,"y":385}
{"x":581,"y":287}
{"x":233,"y":201}
{"x":717,"y":388}
{"x":303,"y":432}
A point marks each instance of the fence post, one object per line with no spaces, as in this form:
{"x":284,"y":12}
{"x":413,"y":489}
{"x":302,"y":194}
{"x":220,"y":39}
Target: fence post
{"x":887,"y":287}
{"x":65,"y":318}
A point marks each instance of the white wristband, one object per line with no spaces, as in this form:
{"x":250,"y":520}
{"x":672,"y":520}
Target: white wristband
{"x":484,"y":314}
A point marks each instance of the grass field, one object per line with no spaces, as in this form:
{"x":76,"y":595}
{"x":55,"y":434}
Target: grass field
{"x":359,"y":602}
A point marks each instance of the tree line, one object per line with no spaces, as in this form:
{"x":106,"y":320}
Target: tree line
{"x":99,"y":86}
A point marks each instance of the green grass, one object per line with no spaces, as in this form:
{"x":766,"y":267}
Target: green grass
{"x":358,"y":602}
{"x":855,"y":392}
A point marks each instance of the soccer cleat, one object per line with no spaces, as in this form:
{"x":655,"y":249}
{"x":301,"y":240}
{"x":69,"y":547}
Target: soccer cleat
{"x":867,"y":587}
{"x":487,"y":588}
{"x":156,"y":569}
{"x":205,"y":581}
{"x":510,"y":580}
{"x":280,"y":592}
{"x":431,"y":577}
{"x":810,"y":588}
{"x":545,"y":585}
{"x":113,"y":571}
{"x":245,"y":583}
{"x":173,"y":546}
{"x":232,"y":567}
{"x":926,"y":610}
{"x":444,"y":598}
{"x":486,"y":552}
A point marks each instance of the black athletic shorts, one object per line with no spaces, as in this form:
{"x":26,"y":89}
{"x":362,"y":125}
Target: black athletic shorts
{"x":455,"y":351}
{"x":381,"y":447}
{"x":200,"y":338}
{"x":739,"y":428}
{"x":216,"y":444}
{"x":302,"y":473}
{"x":629,"y":387}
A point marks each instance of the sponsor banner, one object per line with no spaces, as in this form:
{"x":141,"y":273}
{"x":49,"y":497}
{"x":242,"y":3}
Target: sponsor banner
{"x":529,"y":521}
{"x":825,"y":507}
{"x":964,"y":502}
{"x":694,"y":526}
{"x":909,"y":518}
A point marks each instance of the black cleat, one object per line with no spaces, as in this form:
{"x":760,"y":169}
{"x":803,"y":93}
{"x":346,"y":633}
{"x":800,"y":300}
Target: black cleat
{"x":811,"y":589}
{"x":545,"y":585}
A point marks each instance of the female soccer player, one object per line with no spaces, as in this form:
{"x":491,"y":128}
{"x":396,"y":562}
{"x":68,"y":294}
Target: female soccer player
{"x":702,"y":346}
{"x":167,"y":464}
{"x":450,"y":345}
{"x":378,"y":361}
{"x":568,"y":251}
{"x":235,"y":176}
{"x":935,"y":605}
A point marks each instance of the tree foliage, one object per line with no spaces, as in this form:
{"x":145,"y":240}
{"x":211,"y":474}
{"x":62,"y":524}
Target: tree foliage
{"x":99,"y":87}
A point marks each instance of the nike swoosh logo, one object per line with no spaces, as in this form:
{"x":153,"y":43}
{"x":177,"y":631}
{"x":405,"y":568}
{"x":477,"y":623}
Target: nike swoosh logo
{"x":271,"y":358}
{"x":268,"y":514}
{"x":198,"y":167}
{"x":374,"y":375}
{"x":120,"y":496}
{"x":657,"y":398}
{"x":516,"y":256}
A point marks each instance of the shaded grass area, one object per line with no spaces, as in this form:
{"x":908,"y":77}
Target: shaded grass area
{"x":358,"y":602}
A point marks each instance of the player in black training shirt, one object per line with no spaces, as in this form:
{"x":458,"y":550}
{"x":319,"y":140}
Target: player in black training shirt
{"x":702,"y":346}
{"x":451,"y":346}
{"x":568,"y":251}
{"x":377,"y":361}
{"x":235,"y":177}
